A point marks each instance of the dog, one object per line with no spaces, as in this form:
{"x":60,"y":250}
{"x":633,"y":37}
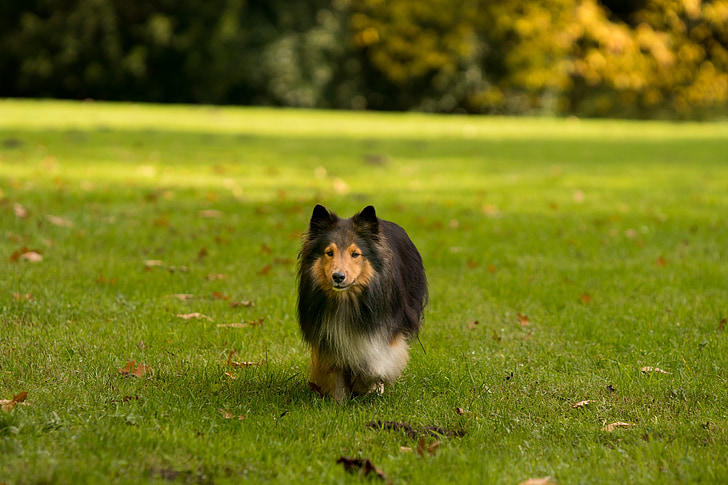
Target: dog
{"x":362,"y":291}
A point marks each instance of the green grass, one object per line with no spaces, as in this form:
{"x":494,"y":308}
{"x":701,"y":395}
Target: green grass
{"x":511,"y":216}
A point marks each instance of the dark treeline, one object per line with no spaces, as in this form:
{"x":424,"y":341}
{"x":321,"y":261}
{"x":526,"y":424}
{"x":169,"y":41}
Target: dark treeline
{"x":643,"y":58}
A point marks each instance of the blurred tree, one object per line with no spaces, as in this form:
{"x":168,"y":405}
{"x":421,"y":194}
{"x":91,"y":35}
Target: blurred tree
{"x":634,"y":58}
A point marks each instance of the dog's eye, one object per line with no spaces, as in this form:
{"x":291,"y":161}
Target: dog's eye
{"x":355,"y":254}
{"x":329,"y":253}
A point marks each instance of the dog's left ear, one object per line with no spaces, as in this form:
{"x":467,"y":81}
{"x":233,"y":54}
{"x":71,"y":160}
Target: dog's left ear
{"x":367,"y":220}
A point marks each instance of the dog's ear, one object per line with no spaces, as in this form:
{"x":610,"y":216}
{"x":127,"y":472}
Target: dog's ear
{"x":321,"y":219}
{"x":367,"y":220}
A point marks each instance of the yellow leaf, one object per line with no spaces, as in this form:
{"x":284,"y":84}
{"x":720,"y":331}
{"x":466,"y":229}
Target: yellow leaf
{"x":619,"y":424}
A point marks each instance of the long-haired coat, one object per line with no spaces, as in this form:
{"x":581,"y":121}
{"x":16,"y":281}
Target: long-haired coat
{"x":361,"y":294}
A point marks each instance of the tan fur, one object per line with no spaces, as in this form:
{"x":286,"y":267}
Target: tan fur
{"x":356,"y":268}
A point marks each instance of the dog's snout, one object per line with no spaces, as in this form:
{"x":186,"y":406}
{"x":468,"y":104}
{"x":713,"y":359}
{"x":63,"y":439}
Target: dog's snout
{"x":338,"y":277}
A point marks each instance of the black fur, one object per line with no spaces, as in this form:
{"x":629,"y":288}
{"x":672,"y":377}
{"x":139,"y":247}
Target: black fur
{"x":391,"y":304}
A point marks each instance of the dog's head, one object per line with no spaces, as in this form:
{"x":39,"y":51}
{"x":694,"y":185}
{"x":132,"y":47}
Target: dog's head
{"x":340,"y":253}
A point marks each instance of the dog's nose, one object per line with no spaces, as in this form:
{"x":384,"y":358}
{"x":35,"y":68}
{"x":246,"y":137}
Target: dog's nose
{"x":338,"y":277}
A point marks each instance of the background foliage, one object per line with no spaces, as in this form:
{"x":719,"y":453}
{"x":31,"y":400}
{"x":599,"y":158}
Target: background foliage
{"x":642,"y":58}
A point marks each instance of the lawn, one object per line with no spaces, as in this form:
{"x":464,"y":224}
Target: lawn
{"x":578,"y":274}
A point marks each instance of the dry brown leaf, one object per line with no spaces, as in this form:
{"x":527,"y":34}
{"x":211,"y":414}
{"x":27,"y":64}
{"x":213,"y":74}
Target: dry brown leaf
{"x":225,"y":414}
{"x":8,"y":404}
{"x":619,"y":424}
{"x":465,"y":412}
{"x":151,"y":263}
{"x":243,"y":303}
{"x":721,"y":324}
{"x":210,"y":214}
{"x":429,"y":449}
{"x":473,"y":324}
{"x":215,"y":276}
{"x":182,"y":296}
{"x":216,"y":295}
{"x":266,"y":269}
{"x":582,"y":404}
{"x":188,"y":316}
{"x":492,"y":268}
{"x":657,"y":370}
{"x":141,"y":370}
{"x":133,"y":370}
{"x":522,"y":319}
{"x":661,"y":261}
{"x":232,"y":325}
{"x":31,"y":257}
{"x":586,"y":299}
{"x":231,"y":375}
{"x":23,"y":296}
{"x":405,"y":449}
{"x":59,"y":221}
{"x":20,"y":211}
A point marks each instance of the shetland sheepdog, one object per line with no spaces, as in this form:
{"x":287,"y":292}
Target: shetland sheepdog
{"x":361,"y":295}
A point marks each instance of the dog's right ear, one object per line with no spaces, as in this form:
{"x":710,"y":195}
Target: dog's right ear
{"x":321,"y":219}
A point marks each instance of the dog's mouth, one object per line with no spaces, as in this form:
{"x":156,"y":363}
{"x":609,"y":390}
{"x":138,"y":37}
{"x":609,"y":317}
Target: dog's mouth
{"x":341,"y":286}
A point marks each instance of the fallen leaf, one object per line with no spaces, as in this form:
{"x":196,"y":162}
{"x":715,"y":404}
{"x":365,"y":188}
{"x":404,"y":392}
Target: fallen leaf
{"x":721,"y":325}
{"x":619,"y":424}
{"x":492,"y":268}
{"x":133,"y":370}
{"x":266,"y":249}
{"x":243,"y":303}
{"x":405,"y":449}
{"x":102,"y":279}
{"x":215,"y":276}
{"x":181,"y":269}
{"x":8,"y":404}
{"x":151,"y":263}
{"x":265,"y":270}
{"x":232,"y":325}
{"x":21,"y":296}
{"x":20,"y":211}
{"x":225,"y":414}
{"x":257,"y":322}
{"x":188,"y":316}
{"x":582,"y":404}
{"x":216,"y":295}
{"x":31,"y":257}
{"x":231,"y":376}
{"x":182,"y":296}
{"x":496,"y":337}
{"x":537,"y":481}
{"x":657,"y":370}
{"x":522,"y":319}
{"x":471,"y":263}
{"x":661,"y":261}
{"x":424,"y":448}
{"x":141,"y":370}
{"x":465,"y":412}
{"x":210,"y":214}
{"x":59,"y":221}
{"x":473,"y":325}
{"x":586,"y":299}
{"x":202,"y":253}
{"x":363,"y":467}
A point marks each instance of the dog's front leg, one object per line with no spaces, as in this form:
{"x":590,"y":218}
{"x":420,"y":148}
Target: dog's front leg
{"x":326,"y":377}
